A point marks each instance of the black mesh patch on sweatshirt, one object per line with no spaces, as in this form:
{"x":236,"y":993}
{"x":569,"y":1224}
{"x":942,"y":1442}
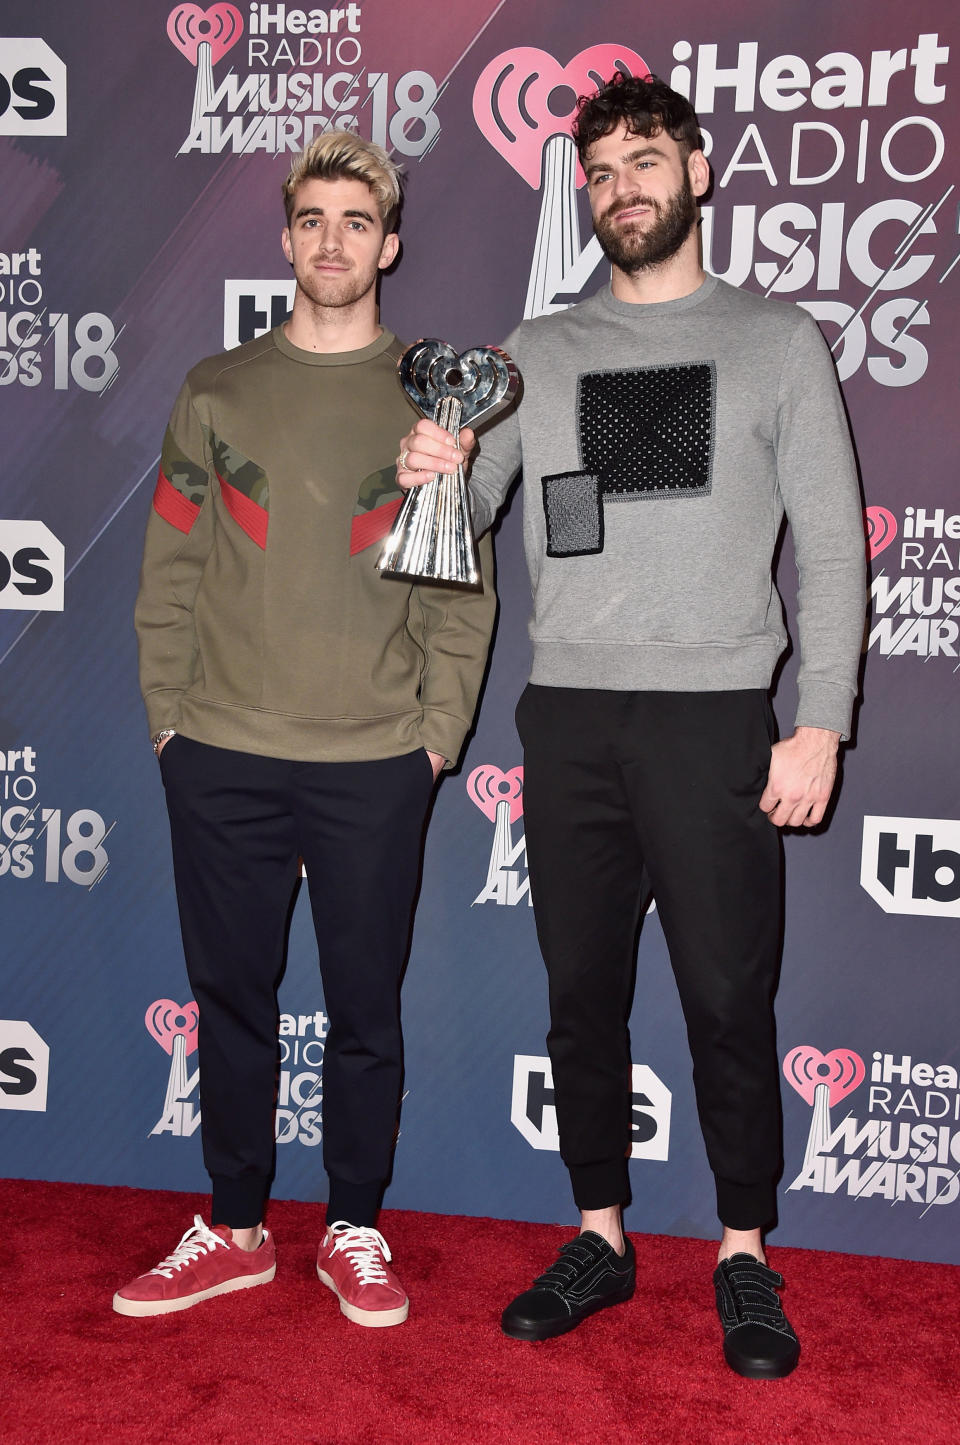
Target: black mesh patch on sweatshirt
{"x":649,"y":431}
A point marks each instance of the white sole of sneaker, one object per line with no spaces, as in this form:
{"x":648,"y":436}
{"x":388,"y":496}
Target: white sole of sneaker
{"x":140,"y":1309}
{"x":371,"y":1319}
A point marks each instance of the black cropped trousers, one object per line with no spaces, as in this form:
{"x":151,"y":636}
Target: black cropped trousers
{"x":624,"y":791}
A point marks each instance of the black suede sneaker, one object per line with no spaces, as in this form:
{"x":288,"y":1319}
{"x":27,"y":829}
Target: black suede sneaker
{"x":758,"y":1339}
{"x":588,"y":1276}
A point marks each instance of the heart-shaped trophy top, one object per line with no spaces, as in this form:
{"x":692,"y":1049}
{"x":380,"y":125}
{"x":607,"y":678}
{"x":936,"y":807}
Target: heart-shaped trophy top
{"x":483,"y":380}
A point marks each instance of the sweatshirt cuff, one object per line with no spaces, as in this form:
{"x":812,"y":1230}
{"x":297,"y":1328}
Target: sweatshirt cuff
{"x":163,"y":709}
{"x":825,"y":705}
{"x":441,"y":732}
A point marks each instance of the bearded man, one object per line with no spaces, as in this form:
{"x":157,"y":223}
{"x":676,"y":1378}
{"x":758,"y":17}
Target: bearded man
{"x":667,"y":425}
{"x":301,"y":706}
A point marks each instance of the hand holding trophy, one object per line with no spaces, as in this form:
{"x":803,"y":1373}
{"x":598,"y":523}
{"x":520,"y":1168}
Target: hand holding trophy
{"x":432,"y":537}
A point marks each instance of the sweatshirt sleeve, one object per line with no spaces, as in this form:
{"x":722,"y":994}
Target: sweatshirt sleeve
{"x":453,"y":628}
{"x":817,"y":477}
{"x":178,"y":541}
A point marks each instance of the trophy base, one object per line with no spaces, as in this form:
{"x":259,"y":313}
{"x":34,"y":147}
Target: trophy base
{"x":469,"y":582}
{"x":432,"y":538}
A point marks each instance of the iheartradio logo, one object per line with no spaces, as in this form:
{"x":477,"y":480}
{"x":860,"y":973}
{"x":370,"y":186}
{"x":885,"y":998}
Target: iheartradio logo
{"x":840,"y":1072}
{"x":488,"y":786}
{"x":204,"y":37}
{"x":498,"y":793}
{"x":219,"y":28}
{"x":166,"y":1021}
{"x":823,"y":1081}
{"x":524,"y":96}
{"x":174,"y":1027}
{"x":524,"y":102}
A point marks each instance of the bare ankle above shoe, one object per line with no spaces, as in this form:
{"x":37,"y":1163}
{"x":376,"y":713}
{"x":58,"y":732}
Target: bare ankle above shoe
{"x":741,"y":1241}
{"x":248,"y":1238}
{"x":608,"y":1223}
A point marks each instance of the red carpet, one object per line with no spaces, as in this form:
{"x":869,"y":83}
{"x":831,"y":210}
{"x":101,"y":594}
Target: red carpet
{"x":880,"y":1362}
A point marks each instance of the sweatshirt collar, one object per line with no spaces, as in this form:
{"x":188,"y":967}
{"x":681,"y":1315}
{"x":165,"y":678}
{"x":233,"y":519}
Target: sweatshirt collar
{"x":332,"y":358}
{"x":637,"y":310}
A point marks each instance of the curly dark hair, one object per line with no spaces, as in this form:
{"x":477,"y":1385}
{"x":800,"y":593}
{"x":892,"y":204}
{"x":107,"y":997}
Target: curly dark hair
{"x":645,"y":106}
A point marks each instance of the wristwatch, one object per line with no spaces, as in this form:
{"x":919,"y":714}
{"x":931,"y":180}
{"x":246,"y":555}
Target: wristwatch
{"x":161,"y":737}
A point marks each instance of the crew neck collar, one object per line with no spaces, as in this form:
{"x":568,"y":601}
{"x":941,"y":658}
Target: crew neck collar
{"x":332,"y":358}
{"x":639,"y":309}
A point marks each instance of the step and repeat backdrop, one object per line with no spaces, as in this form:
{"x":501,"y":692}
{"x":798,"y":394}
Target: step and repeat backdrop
{"x":142,"y":149}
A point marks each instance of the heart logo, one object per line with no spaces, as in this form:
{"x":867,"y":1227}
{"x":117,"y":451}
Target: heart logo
{"x":881,"y":529}
{"x":524,"y":96}
{"x":489,"y":785}
{"x":221,"y":27}
{"x":166,"y":1019}
{"x":841,"y":1070}
{"x":484,"y":380}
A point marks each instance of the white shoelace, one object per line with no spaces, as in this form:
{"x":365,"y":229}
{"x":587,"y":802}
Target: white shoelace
{"x":197,"y":1241}
{"x":366,"y":1249}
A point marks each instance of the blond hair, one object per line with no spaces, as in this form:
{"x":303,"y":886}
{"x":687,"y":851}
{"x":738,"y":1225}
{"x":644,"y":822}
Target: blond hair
{"x":339,"y":154}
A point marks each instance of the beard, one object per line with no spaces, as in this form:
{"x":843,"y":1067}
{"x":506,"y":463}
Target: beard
{"x":636,"y":247}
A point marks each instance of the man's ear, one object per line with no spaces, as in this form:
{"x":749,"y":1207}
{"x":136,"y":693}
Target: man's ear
{"x":388,"y":251}
{"x":285,"y":244}
{"x":698,"y":168}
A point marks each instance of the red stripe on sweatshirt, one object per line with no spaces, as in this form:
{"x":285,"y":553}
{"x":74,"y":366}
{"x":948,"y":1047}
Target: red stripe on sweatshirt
{"x":173,"y":506}
{"x":248,"y":515}
{"x":373,"y":526}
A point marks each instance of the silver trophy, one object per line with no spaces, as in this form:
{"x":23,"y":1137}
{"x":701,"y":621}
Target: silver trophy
{"x":433,"y":534}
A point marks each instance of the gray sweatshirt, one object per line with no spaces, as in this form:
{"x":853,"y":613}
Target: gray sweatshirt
{"x":661,"y":445}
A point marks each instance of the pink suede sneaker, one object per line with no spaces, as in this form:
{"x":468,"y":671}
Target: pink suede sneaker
{"x":206,"y":1262}
{"x":352,"y":1261}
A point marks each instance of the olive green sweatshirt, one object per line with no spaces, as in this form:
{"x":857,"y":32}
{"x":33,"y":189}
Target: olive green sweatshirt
{"x":262,"y":621}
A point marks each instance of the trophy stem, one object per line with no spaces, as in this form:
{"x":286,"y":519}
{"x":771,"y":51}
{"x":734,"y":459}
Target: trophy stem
{"x":432,"y":536}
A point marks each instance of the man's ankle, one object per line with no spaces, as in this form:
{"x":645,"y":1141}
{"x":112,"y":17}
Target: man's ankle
{"x":608,"y":1223}
{"x":741,"y":1241}
{"x":248,"y":1239}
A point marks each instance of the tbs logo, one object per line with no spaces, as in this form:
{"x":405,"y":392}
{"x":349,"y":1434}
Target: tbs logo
{"x":912,"y":865}
{"x":33,"y":89}
{"x":251,"y":308}
{"x":31,"y":568}
{"x":24,"y":1066}
{"x":533,"y":1110}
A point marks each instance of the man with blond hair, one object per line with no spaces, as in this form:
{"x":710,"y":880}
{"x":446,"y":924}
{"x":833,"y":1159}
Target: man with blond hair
{"x":302,"y":707}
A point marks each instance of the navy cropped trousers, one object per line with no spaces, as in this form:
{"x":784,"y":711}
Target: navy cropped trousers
{"x":239,"y":824}
{"x":625,"y":792}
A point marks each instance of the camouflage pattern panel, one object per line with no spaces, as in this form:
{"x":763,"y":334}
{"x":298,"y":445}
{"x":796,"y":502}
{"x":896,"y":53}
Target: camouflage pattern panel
{"x":243,"y":486}
{"x":181,"y":486}
{"x":239,"y":471}
{"x":378,"y":502}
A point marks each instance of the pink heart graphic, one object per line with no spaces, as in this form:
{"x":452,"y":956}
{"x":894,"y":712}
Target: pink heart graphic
{"x":524,"y":96}
{"x":489,"y":785}
{"x":221,"y":27}
{"x":881,"y":528}
{"x":165,"y":1020}
{"x":842,"y":1070}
